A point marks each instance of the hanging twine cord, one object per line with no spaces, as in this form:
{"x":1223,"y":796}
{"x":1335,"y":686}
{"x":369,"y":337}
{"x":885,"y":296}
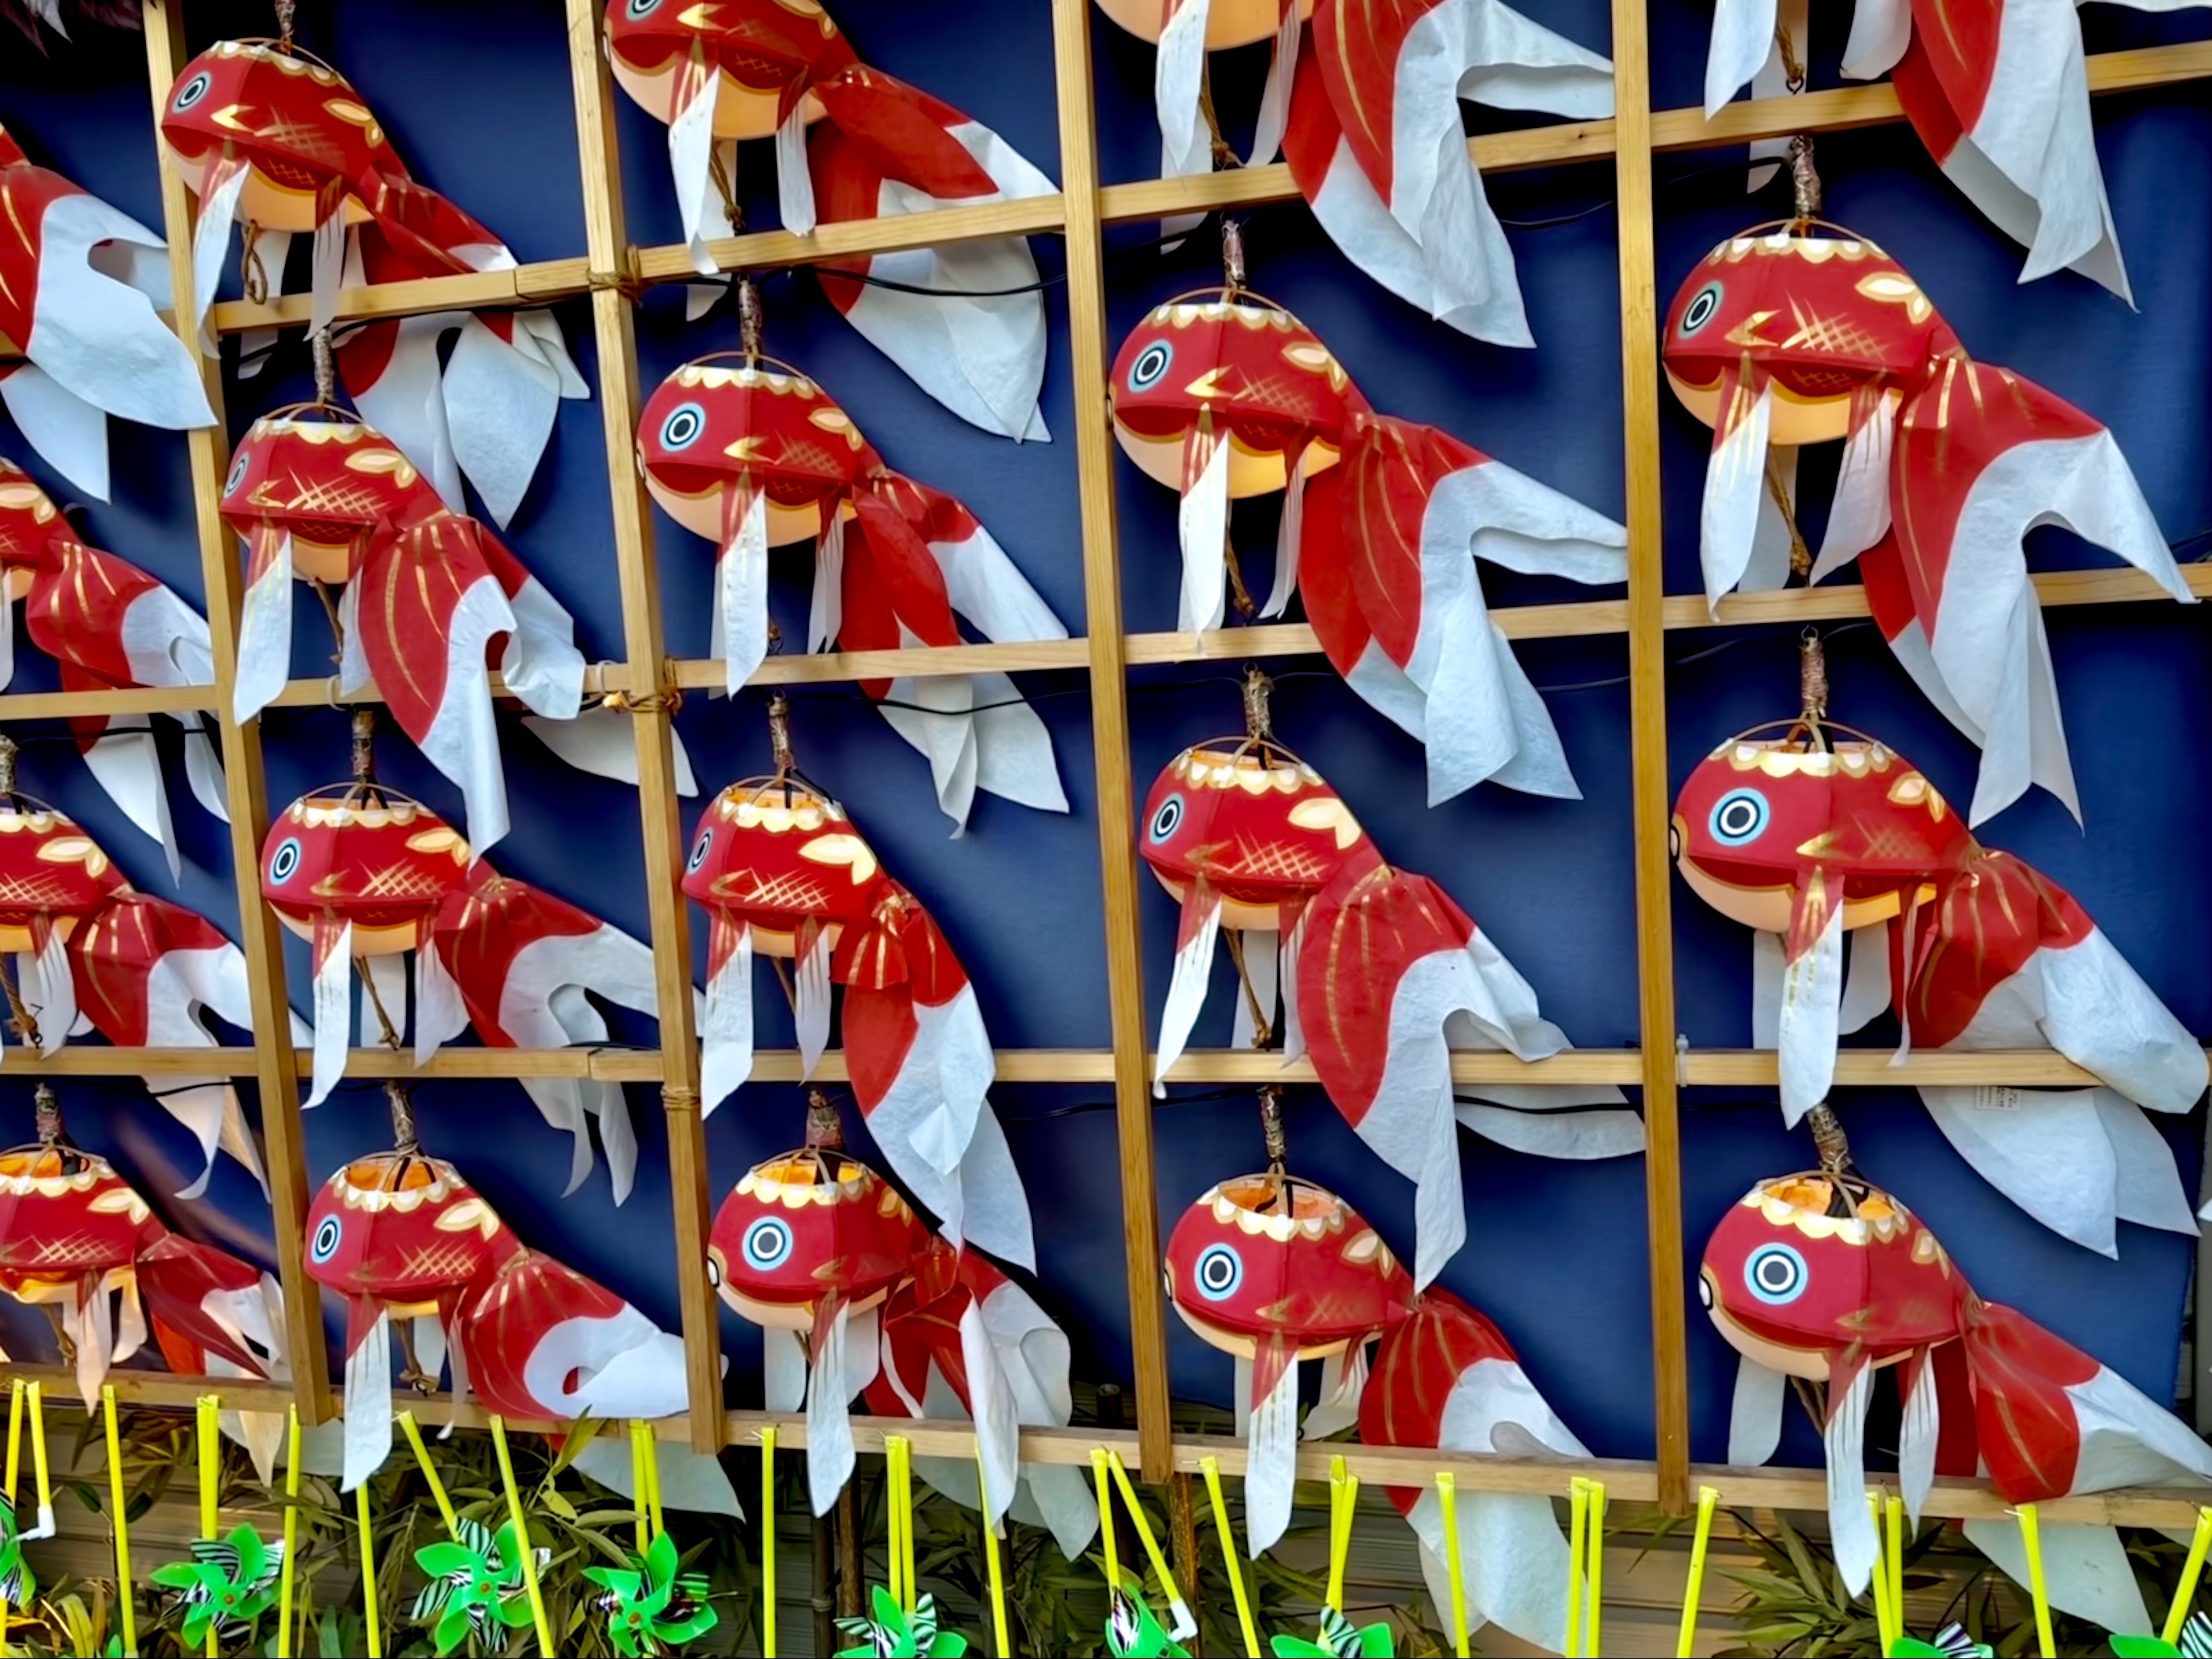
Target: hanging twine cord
{"x":1793,"y":70}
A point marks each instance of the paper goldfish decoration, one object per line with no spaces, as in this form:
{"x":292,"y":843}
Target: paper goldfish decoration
{"x":77,"y":1240}
{"x":1806,"y":333}
{"x":1805,"y":831}
{"x":1827,"y":1276}
{"x":1380,"y":973}
{"x":430,"y":600}
{"x":1368,"y":120}
{"x":752,"y":454}
{"x":783,"y":871}
{"x":81,"y":290}
{"x":407,"y":1242}
{"x":2000,"y":99}
{"x":878,"y":147}
{"x":108,"y":625}
{"x":1221,"y":394}
{"x":266,"y":136}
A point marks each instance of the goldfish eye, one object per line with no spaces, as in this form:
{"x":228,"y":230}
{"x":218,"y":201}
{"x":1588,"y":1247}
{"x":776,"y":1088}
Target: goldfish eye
{"x":1167,"y":820}
{"x":699,"y":849}
{"x":643,"y":8}
{"x":766,"y":1243}
{"x":1739,"y":816}
{"x":683,"y":427}
{"x":1702,"y":304}
{"x":192,"y":92}
{"x":237,"y":474}
{"x":1775,"y":1275}
{"x":1151,"y":363}
{"x":284,"y":861}
{"x":1219,"y":1271}
{"x":325,"y":1244}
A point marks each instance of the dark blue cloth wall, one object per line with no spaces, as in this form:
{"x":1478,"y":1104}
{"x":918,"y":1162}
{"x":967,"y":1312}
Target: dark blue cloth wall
{"x":477,"y":101}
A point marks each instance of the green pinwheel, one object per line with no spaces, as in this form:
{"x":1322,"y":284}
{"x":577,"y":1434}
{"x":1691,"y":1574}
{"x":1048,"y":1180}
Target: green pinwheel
{"x":17,"y":1586}
{"x":227,"y":1584}
{"x":650,"y":1607}
{"x":1340,"y":1639}
{"x":895,"y":1633}
{"x":1132,"y":1631}
{"x":2196,"y":1642}
{"x":1951,"y":1642}
{"x":476,"y":1586}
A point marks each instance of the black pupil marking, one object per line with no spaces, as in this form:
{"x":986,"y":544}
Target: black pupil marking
{"x":683,"y":427}
{"x":1738,"y":815}
{"x":286,"y":862}
{"x":1776,"y":1273}
{"x":699,"y":851}
{"x":1165,"y":820}
{"x":1150,"y":364}
{"x":1708,"y":300}
{"x":326,"y":1238}
{"x":237,"y":477}
{"x":768,"y":1242}
{"x":643,"y":7}
{"x":194,"y":90}
{"x":1218,"y":1271}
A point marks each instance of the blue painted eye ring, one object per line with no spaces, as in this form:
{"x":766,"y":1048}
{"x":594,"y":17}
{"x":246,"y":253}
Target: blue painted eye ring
{"x":1775,"y":1275}
{"x":699,"y":849}
{"x":1738,"y":817}
{"x":325,"y":1243}
{"x":284,"y":861}
{"x":192,"y":92}
{"x":766,"y":1243}
{"x":683,"y":427}
{"x":1700,"y":310}
{"x":643,"y":8}
{"x":237,"y":474}
{"x":1217,"y":1272}
{"x":1166,"y":821}
{"x":1150,"y":366}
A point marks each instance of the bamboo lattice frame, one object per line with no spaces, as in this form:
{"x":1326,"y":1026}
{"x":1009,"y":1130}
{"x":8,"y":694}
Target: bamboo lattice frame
{"x":1080,"y":211}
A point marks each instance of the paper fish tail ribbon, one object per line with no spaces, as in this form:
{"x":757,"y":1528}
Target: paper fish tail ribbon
{"x":1802,"y":1258}
{"x":539,"y":1340}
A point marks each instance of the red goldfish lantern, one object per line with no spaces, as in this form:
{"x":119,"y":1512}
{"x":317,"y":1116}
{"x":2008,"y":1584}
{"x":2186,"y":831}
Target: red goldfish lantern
{"x":1381,"y":522}
{"x":1824,"y":1276}
{"x":1381,"y":974}
{"x":1807,"y":830}
{"x":752,"y":454}
{"x":77,"y":1241}
{"x":362,"y":871}
{"x":83,"y":338}
{"x":539,"y":1341}
{"x":750,"y":69}
{"x":264,"y":133}
{"x":109,"y":625}
{"x":783,"y":871}
{"x":427,"y":595}
{"x":1804,"y":333}
{"x":809,"y":1246}
{"x":1274,"y":1270}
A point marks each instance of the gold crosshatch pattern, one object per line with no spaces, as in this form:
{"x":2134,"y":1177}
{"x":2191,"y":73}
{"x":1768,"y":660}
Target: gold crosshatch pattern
{"x":610,"y":268}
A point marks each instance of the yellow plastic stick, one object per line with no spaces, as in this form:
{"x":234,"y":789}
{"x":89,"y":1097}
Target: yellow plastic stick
{"x":652,"y":1481}
{"x":38,"y":1409}
{"x":2184,"y":1593}
{"x":1106,"y":1518}
{"x":898,"y":1452}
{"x":1709,"y":1498}
{"x":2031,"y":1539}
{"x":125,"y":1600}
{"x":430,"y":1474}
{"x":1578,"y":1554}
{"x":644,"y":1526}
{"x":768,"y":1538}
{"x":1211,"y":1468}
{"x":1595,"y":1539}
{"x":1181,"y":1625}
{"x":15,"y":1464}
{"x":291,"y":1532}
{"x":1343,"y":1493}
{"x":1893,"y":1512}
{"x":367,"y":1571}
{"x":1003,"y":1648}
{"x":1448,"y":1501}
{"x":1884,"y":1621}
{"x":521,"y":1536}
{"x":210,"y":1445}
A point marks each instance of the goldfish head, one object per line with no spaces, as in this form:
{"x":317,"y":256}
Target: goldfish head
{"x":1807,"y":1266}
{"x":402,"y":1228}
{"x":1756,"y":814}
{"x":295,"y":123}
{"x":1821,"y":317}
{"x":808,"y":1229}
{"x":327,"y":481}
{"x":764,"y":55}
{"x":709,"y":428}
{"x":51,"y":873}
{"x":1256,"y":823}
{"x":1265,"y":1258}
{"x":774,"y":854}
{"x":1259,"y":373}
{"x":382,"y":862}
{"x":64,"y":1213}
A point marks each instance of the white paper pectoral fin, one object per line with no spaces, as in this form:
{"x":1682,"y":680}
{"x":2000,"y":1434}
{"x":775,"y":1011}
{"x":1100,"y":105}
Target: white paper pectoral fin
{"x":1809,"y":1020}
{"x":1271,"y":1470}
{"x":1194,"y":968}
{"x":1203,"y":526}
{"x":1850,"y":1526}
{"x":828,"y":1424}
{"x":1736,"y":493}
{"x":369,"y":1404}
{"x":1755,"y":1417}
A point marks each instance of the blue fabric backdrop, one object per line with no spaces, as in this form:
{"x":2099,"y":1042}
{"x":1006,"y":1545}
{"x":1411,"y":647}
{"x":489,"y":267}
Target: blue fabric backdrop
{"x":478,"y":100}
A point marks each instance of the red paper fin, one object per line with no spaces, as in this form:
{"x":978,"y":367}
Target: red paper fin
{"x":2028,"y":1433}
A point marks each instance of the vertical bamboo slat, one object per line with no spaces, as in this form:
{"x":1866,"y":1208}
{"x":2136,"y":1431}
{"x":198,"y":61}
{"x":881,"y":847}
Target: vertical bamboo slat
{"x":1647,"y":672}
{"x":245,"y":789}
{"x":1090,"y":350}
{"x":609,"y":252}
